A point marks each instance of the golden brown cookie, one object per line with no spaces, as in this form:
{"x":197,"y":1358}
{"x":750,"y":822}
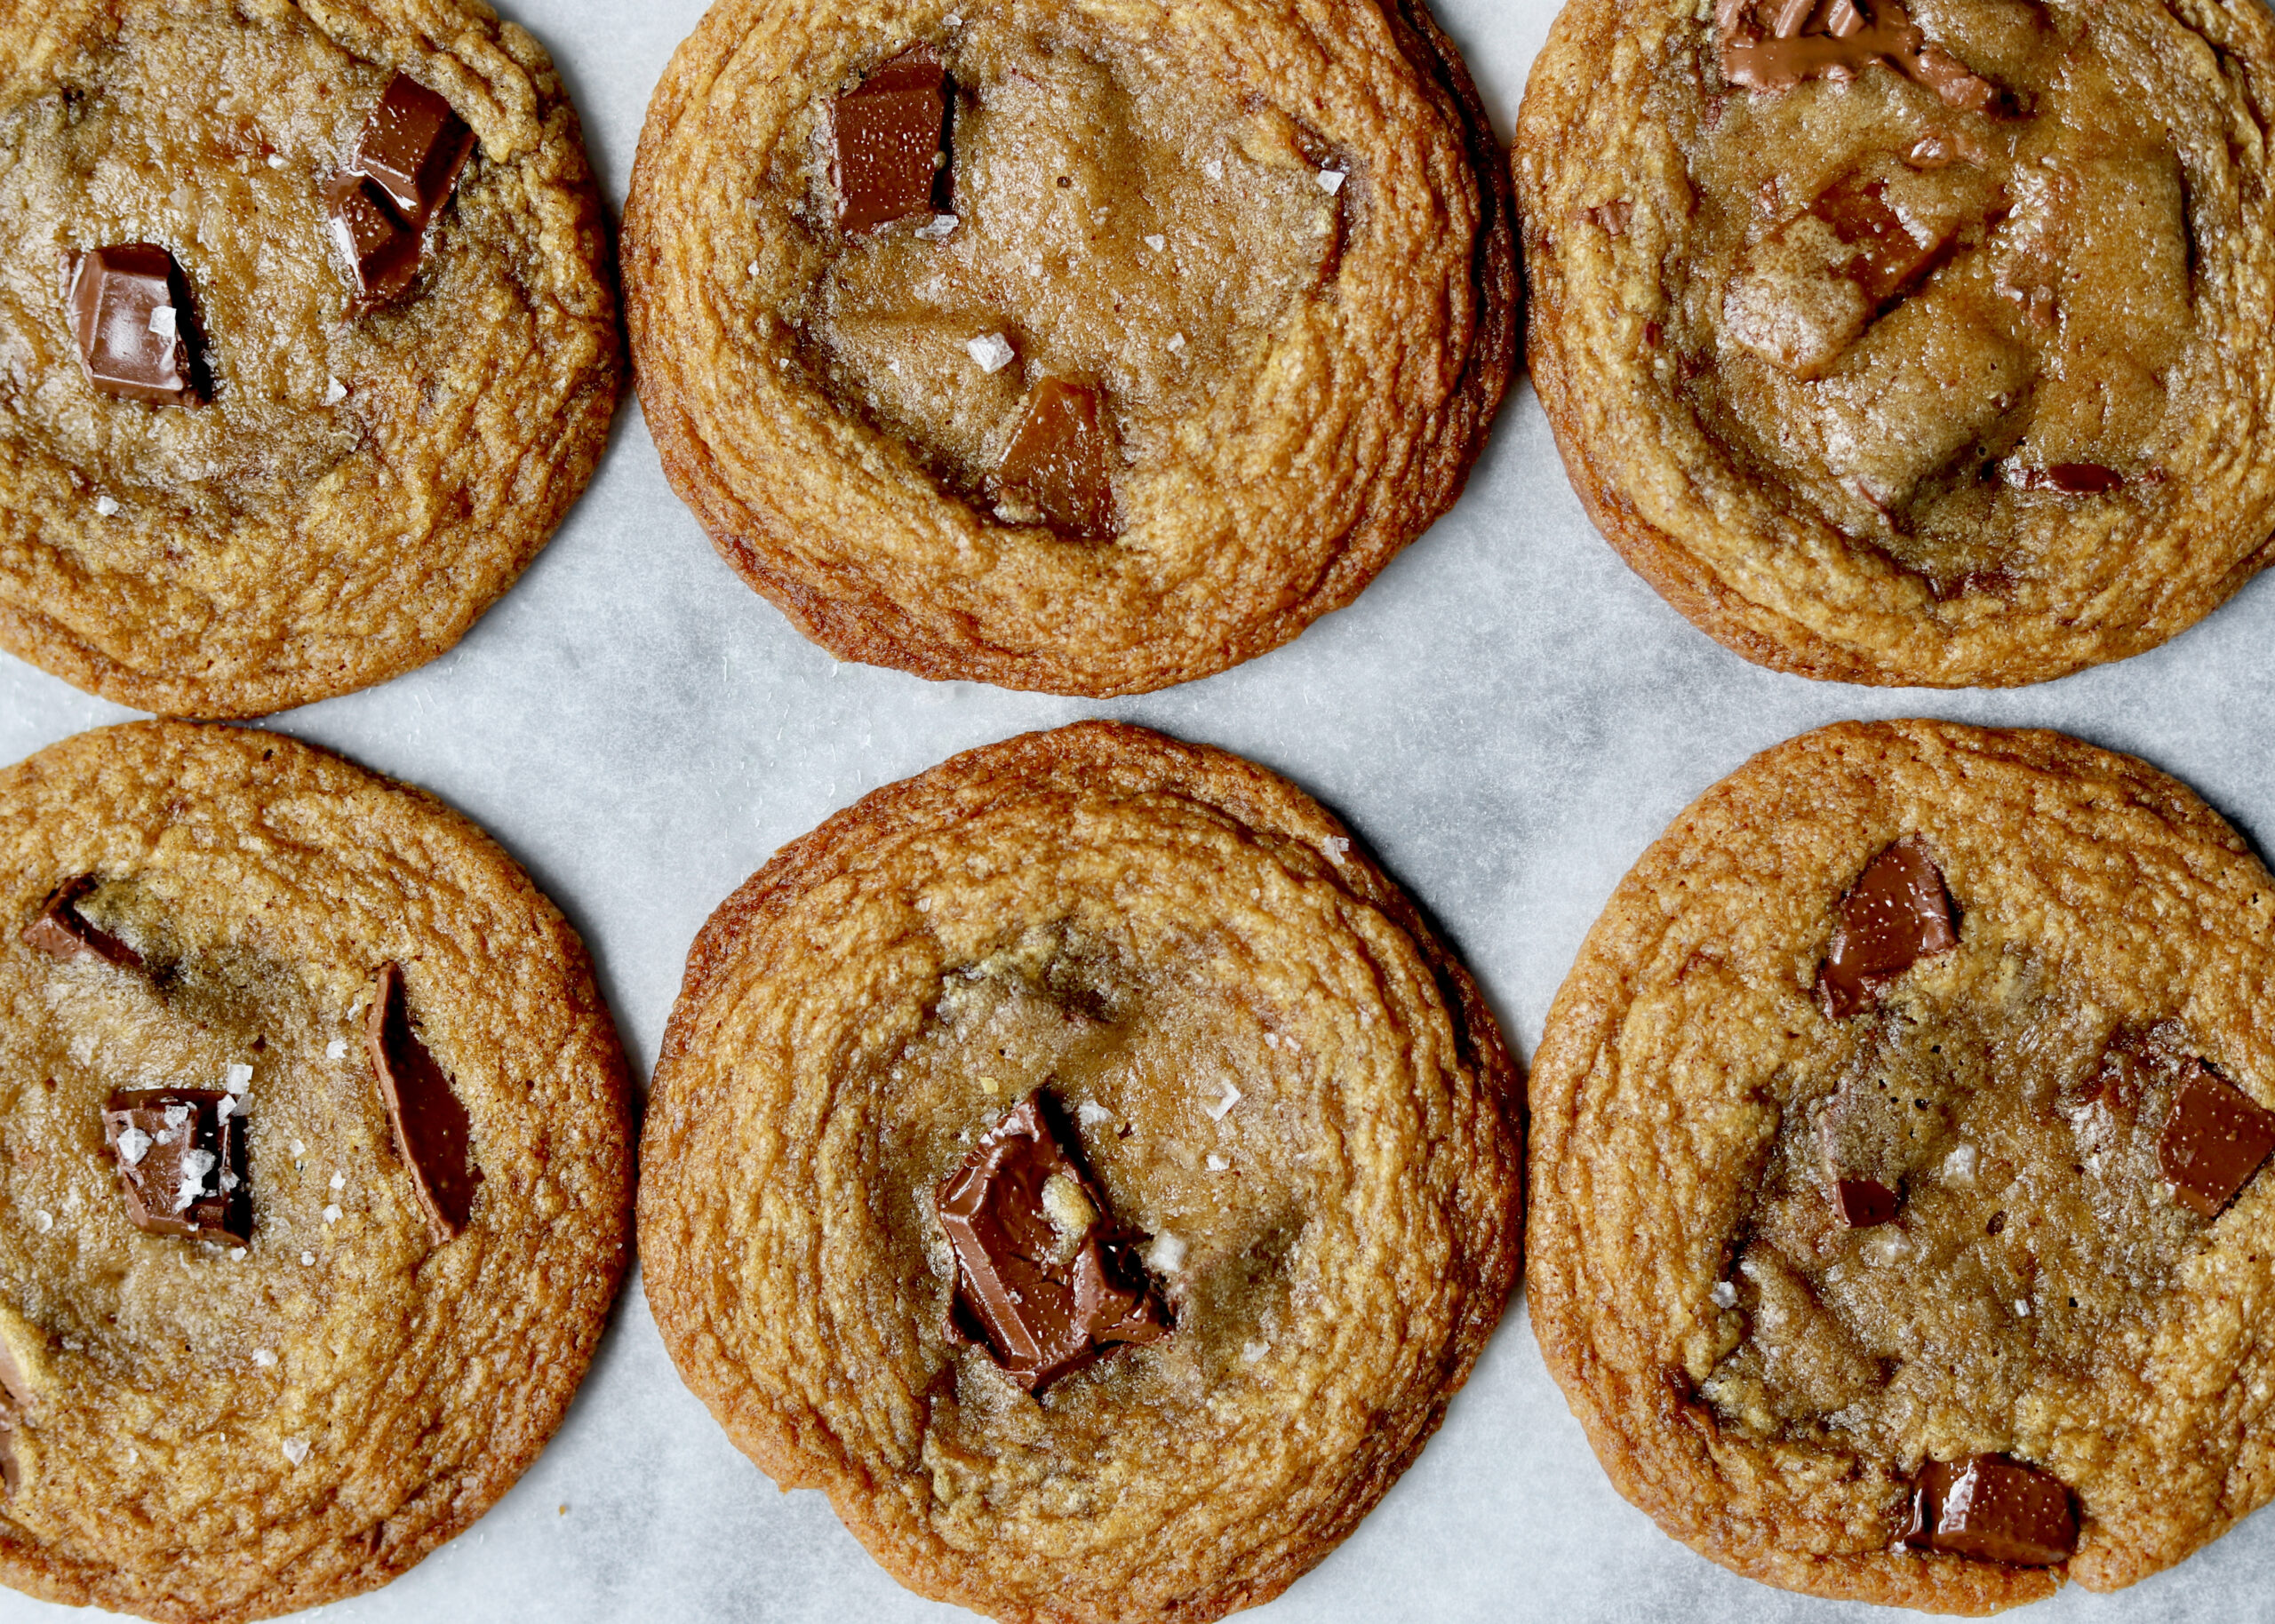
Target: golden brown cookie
{"x":1064,"y":347}
{"x":1920,"y":343}
{"x":1900,"y":1231}
{"x":1084,"y":1165}
{"x":289,"y":398}
{"x":261,"y":1347}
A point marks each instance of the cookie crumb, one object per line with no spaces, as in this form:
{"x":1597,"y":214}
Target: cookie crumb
{"x":337,"y":1049}
{"x":264,"y":1356}
{"x":1231,"y":1098}
{"x":295,"y":1450}
{"x":105,"y":506}
{"x":992,"y":352}
{"x":334,"y":392}
{"x":1330,"y":180}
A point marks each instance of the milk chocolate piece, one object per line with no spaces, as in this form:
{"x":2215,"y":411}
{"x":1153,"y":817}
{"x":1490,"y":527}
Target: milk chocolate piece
{"x":432,"y":1131}
{"x":2215,"y":1138}
{"x":380,"y":253}
{"x":181,"y":1160}
{"x":2071,"y":479}
{"x":1992,"y":1508}
{"x":1897,"y":914}
{"x":1046,"y":1275}
{"x":1060,"y":461}
{"x":1889,"y":256}
{"x":889,"y":133}
{"x":412,"y":146}
{"x":130,"y":315}
{"x":1772,"y":45}
{"x":62,"y":931}
{"x":1863,"y":1202}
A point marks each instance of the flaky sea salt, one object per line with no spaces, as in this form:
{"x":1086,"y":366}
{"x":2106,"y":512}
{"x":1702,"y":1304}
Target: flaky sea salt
{"x":337,"y":1049}
{"x":1156,"y":242}
{"x":331,"y":1215}
{"x":133,"y":1145}
{"x":1251,"y":1352}
{"x":992,"y":352}
{"x":2022,"y":1308}
{"x":1330,"y":180}
{"x":1167,"y":1253}
{"x":1091,"y":1113}
{"x":1218,"y":1164}
{"x":194,"y":1166}
{"x":1230,"y":1098}
{"x":1176,"y":343}
{"x":334,"y":392}
{"x":236,"y":1255}
{"x":1214,"y":168}
{"x":43,"y":1221}
{"x":939,"y":226}
{"x":238,"y":1078}
{"x":295,"y":1450}
{"x":340,"y":1181}
{"x":1959,"y":1167}
{"x":264,"y":1357}
{"x":163,"y":321}
{"x":105,"y":506}
{"x":1725,"y":1294}
{"x":222,"y":1110}
{"x":1340,"y":847}
{"x":300,"y":1148}
{"x":308,"y":1260}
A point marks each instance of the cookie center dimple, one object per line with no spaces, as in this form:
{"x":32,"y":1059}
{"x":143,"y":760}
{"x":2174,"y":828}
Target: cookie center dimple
{"x":1044,"y":294}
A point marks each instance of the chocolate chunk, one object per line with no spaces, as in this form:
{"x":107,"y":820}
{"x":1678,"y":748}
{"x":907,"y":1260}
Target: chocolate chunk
{"x":1049,"y":1279}
{"x":432,"y":1131}
{"x":62,"y":931}
{"x":1772,"y":45}
{"x":181,"y":1160}
{"x":1994,"y":1509}
{"x":1890,"y":257}
{"x":130,"y":315}
{"x":891,"y":136}
{"x":2071,"y":479}
{"x":1060,"y":461}
{"x":1863,"y":1202}
{"x":1897,"y":914}
{"x":413,"y":148}
{"x":380,"y":253}
{"x":2215,"y":1138}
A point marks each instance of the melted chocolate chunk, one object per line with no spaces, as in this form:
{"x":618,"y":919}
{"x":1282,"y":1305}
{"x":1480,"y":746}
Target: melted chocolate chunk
{"x":412,"y":146}
{"x":1897,"y":914}
{"x":62,"y":931}
{"x":1772,"y":45}
{"x":380,"y":253}
{"x":1863,"y":1202}
{"x":891,"y":136}
{"x":181,"y":1160}
{"x":1992,"y":1508}
{"x":2070,"y":479}
{"x":1890,"y":258}
{"x":1049,"y":1279}
{"x":1060,"y":461}
{"x":130,"y":315}
{"x":432,"y":1130}
{"x":2215,"y":1138}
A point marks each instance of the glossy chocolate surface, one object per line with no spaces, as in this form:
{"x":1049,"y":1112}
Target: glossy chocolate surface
{"x":413,"y":148}
{"x":1897,"y":914}
{"x":1060,"y":463}
{"x":1775,"y":44}
{"x":181,"y":1160}
{"x":130,"y":321}
{"x":432,"y":1131}
{"x":1994,"y":1510}
{"x":890,"y":138}
{"x":60,"y":931}
{"x":2215,"y":1136}
{"x":380,"y":253}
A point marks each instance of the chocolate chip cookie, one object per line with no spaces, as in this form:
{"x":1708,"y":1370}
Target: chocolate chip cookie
{"x":1083,"y":1165}
{"x":314,"y":1174}
{"x":1061,"y":347}
{"x":1911,"y":342}
{"x":1900,"y":1214}
{"x":306,"y":339}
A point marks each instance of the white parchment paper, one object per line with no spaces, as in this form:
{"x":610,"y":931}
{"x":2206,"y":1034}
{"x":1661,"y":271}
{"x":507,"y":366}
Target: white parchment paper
{"x":1507,"y":717}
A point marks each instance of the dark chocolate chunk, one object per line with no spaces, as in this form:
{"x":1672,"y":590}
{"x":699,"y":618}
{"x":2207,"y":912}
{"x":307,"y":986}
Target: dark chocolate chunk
{"x":1897,"y":914}
{"x":432,"y":1130}
{"x":1890,"y":258}
{"x":2215,"y":1138}
{"x":181,"y":1160}
{"x":1863,"y":1202}
{"x":1046,"y":1275}
{"x":1060,"y":461}
{"x":380,"y":253}
{"x":1994,"y":1509}
{"x":891,"y":136}
{"x":2069,"y":479}
{"x":1773,"y":45}
{"x":413,"y":148}
{"x":62,"y":931}
{"x":130,"y":315}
